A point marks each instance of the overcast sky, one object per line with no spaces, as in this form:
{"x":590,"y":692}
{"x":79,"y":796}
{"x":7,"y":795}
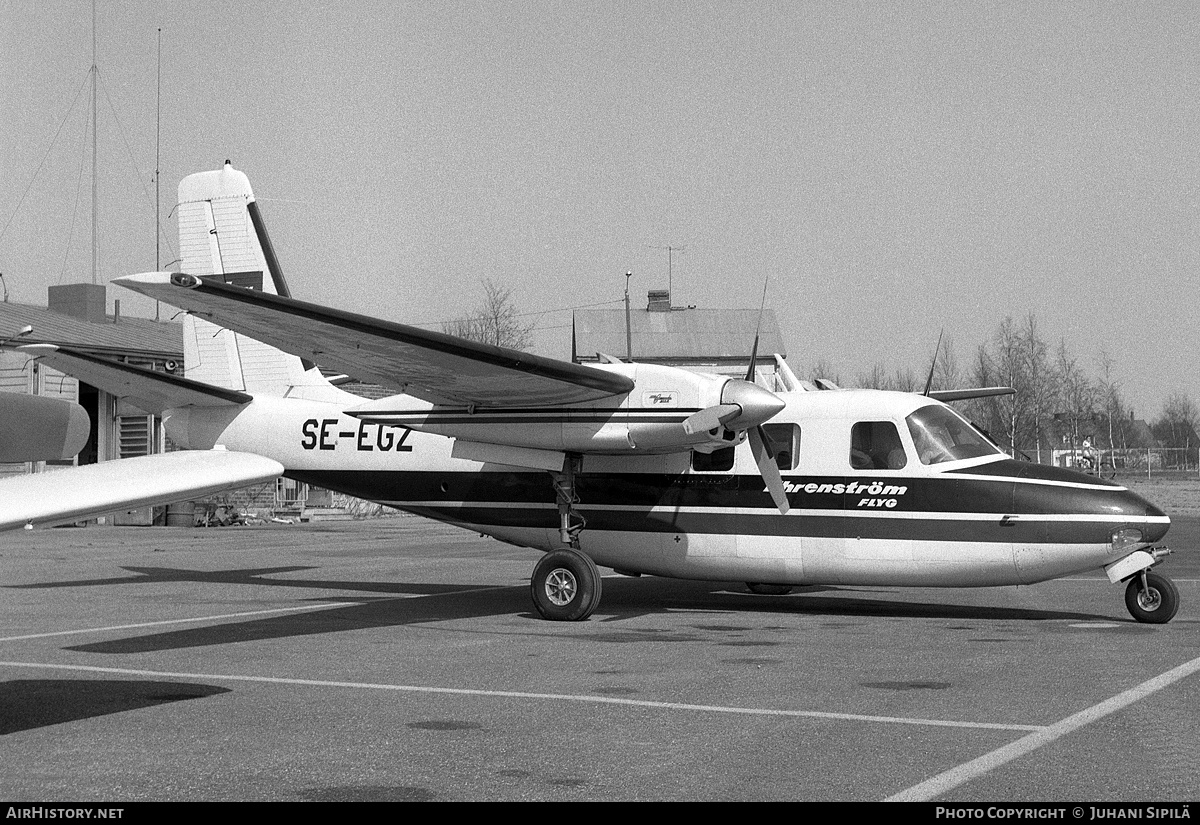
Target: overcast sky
{"x":893,"y":168}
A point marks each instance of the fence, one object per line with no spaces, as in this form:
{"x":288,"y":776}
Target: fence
{"x":1143,"y":461}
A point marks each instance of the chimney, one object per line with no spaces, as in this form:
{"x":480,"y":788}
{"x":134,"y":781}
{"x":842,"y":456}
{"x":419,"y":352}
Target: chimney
{"x":659,"y":300}
{"x":83,"y":301}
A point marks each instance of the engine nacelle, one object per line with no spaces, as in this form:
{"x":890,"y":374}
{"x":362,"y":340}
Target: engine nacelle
{"x":652,"y":418}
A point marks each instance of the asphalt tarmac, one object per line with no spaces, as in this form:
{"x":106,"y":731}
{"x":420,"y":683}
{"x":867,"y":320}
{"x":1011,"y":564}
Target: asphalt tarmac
{"x":399,"y":659}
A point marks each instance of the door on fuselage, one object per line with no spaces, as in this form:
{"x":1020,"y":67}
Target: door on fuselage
{"x":770,"y":545}
{"x":874,"y":539}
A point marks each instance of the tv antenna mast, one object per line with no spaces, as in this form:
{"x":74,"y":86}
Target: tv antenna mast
{"x":671,"y":250}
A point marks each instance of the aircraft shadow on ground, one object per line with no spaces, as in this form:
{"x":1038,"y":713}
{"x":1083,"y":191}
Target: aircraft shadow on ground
{"x":252,"y":575}
{"x":624,"y":599}
{"x":26,"y":704}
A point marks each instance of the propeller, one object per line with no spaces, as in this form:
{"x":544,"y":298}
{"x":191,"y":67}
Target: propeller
{"x":747,"y":406}
{"x":764,"y":457}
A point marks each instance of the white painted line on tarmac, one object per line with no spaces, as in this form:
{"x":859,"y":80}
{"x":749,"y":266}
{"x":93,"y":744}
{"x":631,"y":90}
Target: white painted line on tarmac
{"x":951,"y":779}
{"x":509,"y":694}
{"x":178,"y":621}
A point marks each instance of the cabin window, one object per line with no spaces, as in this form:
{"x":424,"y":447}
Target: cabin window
{"x":875,"y":445}
{"x":785,"y":440}
{"x":718,"y":461}
{"x":940,"y":435}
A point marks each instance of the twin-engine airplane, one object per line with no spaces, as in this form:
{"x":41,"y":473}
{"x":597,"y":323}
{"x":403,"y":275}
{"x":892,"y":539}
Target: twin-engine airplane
{"x":641,"y":468}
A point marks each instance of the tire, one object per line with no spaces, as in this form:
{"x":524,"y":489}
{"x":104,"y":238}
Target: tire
{"x":1158,"y":604}
{"x":769,"y":589}
{"x":565,"y":586}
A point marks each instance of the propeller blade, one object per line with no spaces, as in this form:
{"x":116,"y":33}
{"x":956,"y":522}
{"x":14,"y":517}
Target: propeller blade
{"x":764,"y":456}
{"x":709,"y":418}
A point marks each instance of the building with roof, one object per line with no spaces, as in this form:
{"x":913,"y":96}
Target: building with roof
{"x":76,"y":317}
{"x":703,"y":340}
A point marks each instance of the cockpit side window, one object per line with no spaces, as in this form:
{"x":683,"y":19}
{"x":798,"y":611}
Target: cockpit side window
{"x":785,"y":440}
{"x":940,"y":435}
{"x":875,"y":445}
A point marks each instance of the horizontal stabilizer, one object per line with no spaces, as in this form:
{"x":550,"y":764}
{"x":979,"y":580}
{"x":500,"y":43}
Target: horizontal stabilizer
{"x":428,"y":365}
{"x":37,"y":428}
{"x":149,"y":390}
{"x":80,"y":493}
{"x":978,"y":392}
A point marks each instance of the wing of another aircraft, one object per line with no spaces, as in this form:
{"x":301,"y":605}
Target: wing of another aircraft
{"x":150,"y":390}
{"x":962,"y":395}
{"x":428,"y":365}
{"x":64,"y":496}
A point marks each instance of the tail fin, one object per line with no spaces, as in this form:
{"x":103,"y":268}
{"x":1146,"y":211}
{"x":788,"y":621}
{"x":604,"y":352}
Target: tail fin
{"x":221,"y":233}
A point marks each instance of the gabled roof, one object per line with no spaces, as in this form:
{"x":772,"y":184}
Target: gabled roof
{"x":126,"y":336}
{"x":677,"y":336}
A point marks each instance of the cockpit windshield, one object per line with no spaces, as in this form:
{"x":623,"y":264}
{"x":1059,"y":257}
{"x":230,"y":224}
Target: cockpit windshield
{"x":941,"y":435}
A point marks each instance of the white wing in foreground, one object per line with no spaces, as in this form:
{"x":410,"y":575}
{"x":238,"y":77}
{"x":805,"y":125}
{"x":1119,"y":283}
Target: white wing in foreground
{"x":80,"y":493}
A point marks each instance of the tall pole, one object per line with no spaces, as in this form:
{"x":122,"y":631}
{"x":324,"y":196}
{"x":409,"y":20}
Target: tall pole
{"x":628,"y":326}
{"x":95,"y":129}
{"x":157,"y":156}
{"x":671,"y":250}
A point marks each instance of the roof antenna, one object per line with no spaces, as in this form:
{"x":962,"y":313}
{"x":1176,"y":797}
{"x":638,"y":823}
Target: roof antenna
{"x":757,"y":327}
{"x":933,"y":366}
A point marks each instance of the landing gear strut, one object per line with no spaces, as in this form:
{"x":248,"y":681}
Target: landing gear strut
{"x":1152,"y":598}
{"x":566,"y":584}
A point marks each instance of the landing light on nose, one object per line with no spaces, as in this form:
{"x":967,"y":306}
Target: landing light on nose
{"x":1127,"y":538}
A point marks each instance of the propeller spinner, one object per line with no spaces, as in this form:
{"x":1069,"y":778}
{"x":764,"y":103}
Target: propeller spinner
{"x":745,"y":406}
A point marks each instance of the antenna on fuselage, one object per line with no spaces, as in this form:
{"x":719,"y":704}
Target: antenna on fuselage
{"x":933,"y":366}
{"x":762,"y":307}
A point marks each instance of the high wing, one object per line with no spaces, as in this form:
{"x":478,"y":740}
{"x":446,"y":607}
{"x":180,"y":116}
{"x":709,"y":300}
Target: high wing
{"x":150,"y":390}
{"x":438,"y":368}
{"x":79,"y":493}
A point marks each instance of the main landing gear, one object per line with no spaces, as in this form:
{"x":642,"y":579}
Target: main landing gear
{"x":566,"y":583}
{"x":1152,"y":598}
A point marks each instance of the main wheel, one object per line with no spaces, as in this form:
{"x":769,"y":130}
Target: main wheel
{"x":769,"y":589}
{"x":1156,"y":603}
{"x":565,"y":586}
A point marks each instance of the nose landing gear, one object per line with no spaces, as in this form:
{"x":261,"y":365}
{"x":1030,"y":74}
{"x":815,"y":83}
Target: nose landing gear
{"x":1152,"y":598}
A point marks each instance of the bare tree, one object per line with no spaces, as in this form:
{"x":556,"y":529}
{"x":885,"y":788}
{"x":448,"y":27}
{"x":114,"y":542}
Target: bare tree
{"x":876,"y":379}
{"x":1039,"y":388}
{"x":1111,"y":400}
{"x":823,"y":368}
{"x":495,"y":321}
{"x":1177,"y":425}
{"x":1077,"y":397}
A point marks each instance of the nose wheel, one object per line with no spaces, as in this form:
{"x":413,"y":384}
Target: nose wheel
{"x":1152,"y":598}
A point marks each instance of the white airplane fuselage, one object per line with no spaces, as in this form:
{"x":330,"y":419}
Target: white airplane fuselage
{"x":982,"y":521}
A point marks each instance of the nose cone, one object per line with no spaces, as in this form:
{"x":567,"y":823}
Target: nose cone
{"x":758,"y":405}
{"x":1155,"y":522}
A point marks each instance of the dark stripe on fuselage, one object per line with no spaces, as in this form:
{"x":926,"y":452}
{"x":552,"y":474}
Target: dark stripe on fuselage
{"x":865,"y":506}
